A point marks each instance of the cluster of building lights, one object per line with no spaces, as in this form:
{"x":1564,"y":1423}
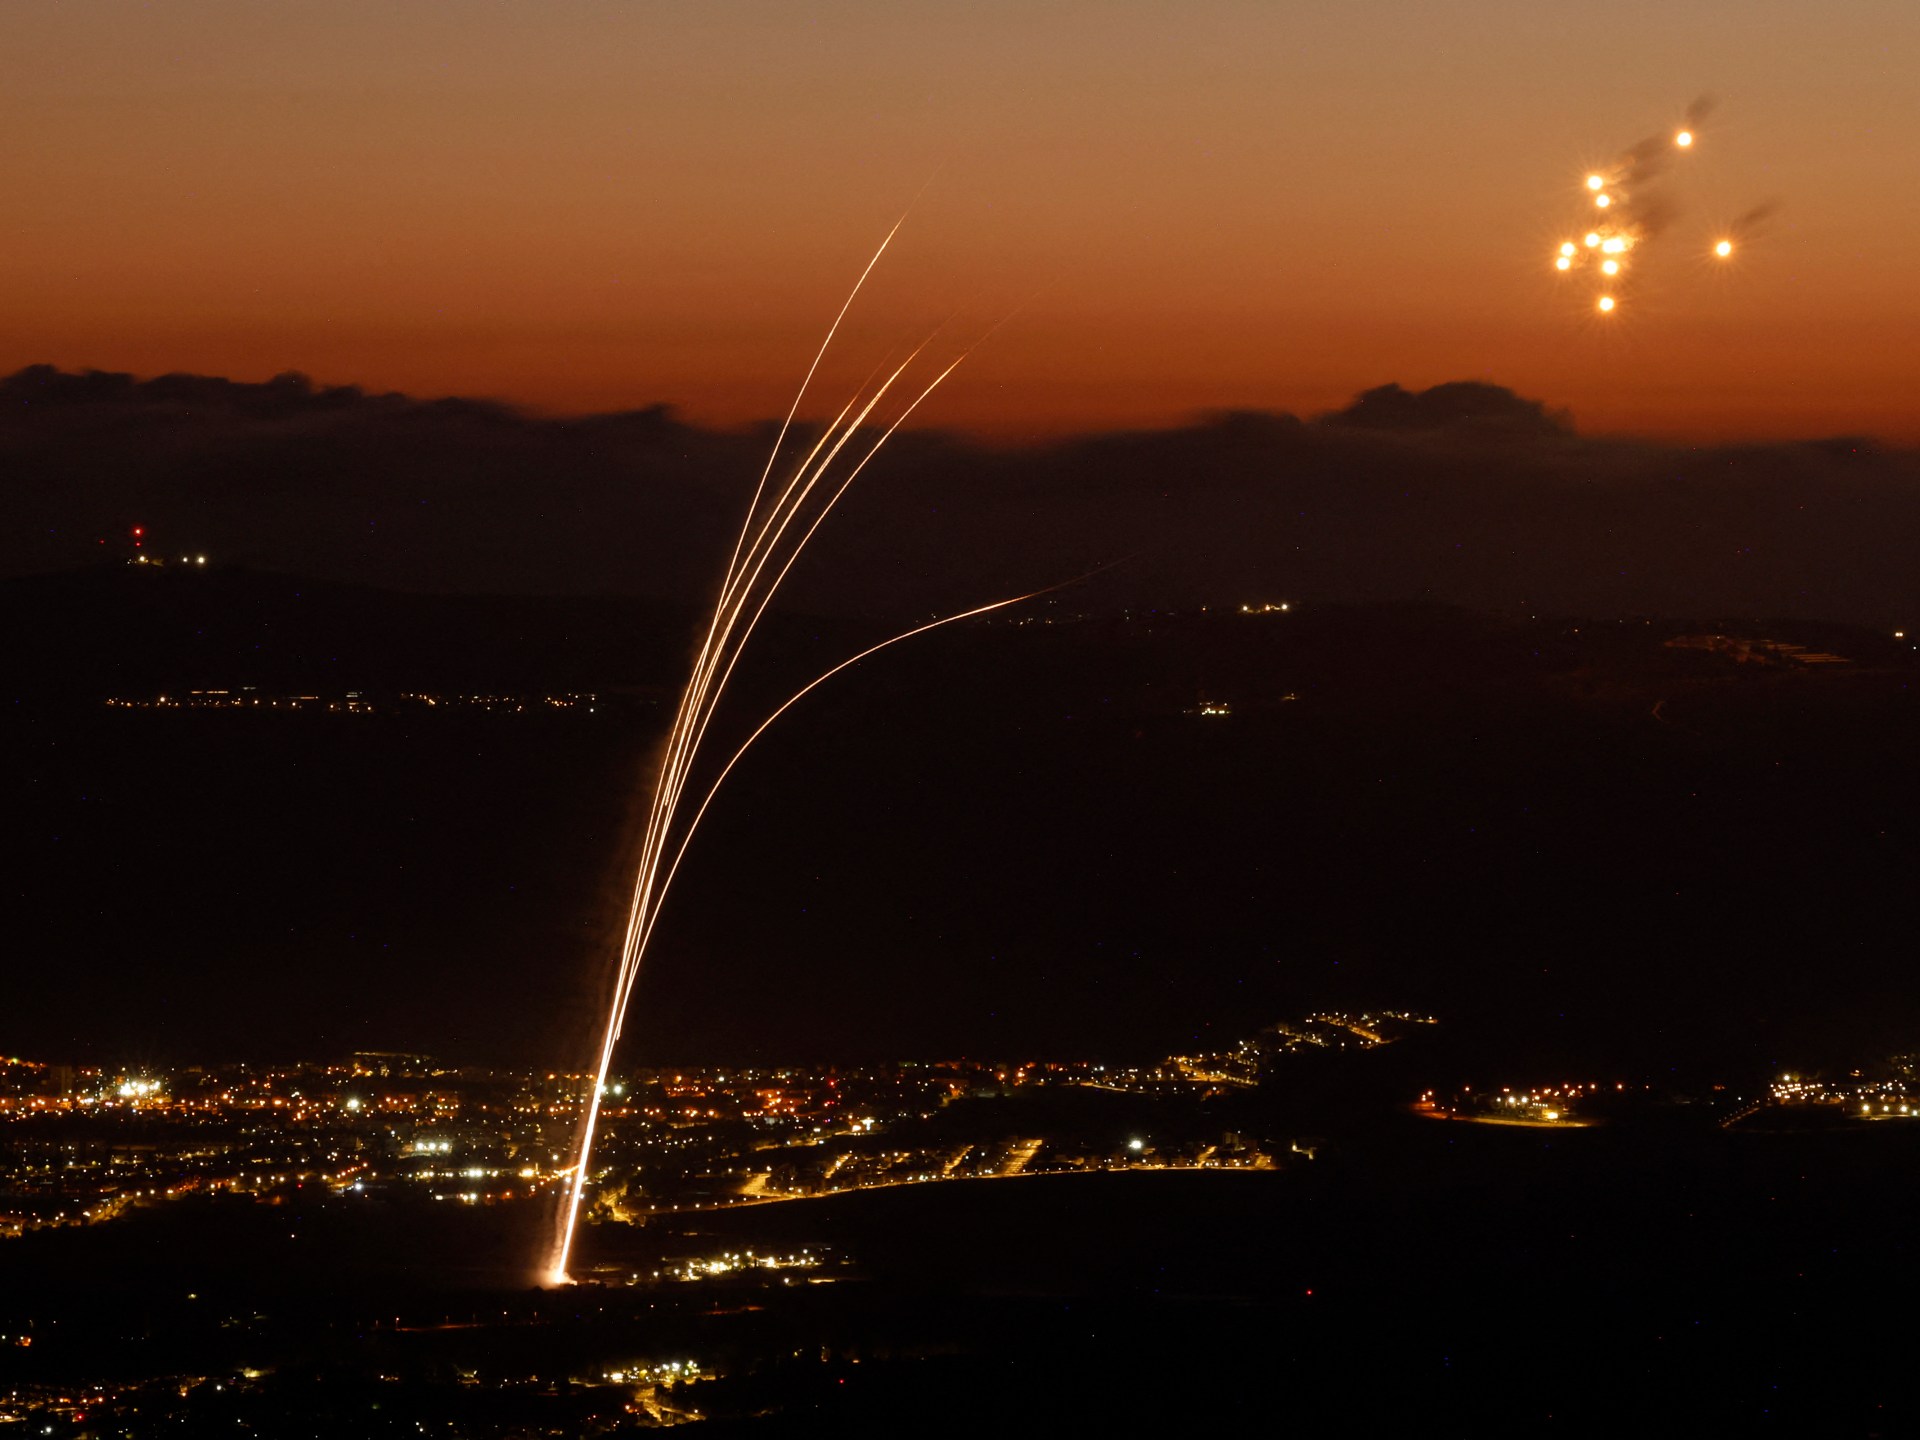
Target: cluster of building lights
{"x":1534,"y":1105}
{"x":710,"y":1266}
{"x":1865,"y":1096}
{"x":656,"y":1372}
{"x":354,"y":702}
{"x":1244,"y":1063}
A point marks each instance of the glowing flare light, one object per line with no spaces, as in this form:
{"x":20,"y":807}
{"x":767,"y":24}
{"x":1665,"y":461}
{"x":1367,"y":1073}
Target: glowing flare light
{"x":1636,"y":210}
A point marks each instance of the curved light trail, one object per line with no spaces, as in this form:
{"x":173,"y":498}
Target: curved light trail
{"x":763,"y":555}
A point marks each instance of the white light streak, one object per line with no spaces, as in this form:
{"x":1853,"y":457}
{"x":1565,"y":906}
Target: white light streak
{"x":763,"y":555}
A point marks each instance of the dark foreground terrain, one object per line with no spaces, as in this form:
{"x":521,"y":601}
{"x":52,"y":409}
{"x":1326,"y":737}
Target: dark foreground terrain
{"x":1592,"y":852}
{"x":1016,"y":837}
{"x":1420,"y":1276}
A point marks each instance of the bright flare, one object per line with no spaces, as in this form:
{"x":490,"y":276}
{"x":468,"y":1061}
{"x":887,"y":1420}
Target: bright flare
{"x":1567,"y":249}
{"x":1606,"y":303}
{"x":1603,"y":201}
{"x":1610,"y":267}
{"x":1723,"y":249}
{"x":1683,"y":139}
{"x":1593,"y":238}
{"x":1563,"y":263}
{"x":1594,"y":182}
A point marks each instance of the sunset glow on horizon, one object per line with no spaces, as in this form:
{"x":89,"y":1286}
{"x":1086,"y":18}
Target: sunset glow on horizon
{"x":604,"y":205}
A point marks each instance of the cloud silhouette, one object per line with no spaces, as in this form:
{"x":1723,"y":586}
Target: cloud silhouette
{"x":1490,"y":410}
{"x":1465,"y":493}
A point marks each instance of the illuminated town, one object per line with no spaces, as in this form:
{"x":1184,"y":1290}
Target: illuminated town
{"x":355,"y":702}
{"x":84,"y":1146}
{"x":382,"y":1135}
{"x":385,"y":1135}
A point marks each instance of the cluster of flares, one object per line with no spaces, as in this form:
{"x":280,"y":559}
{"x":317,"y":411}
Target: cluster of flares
{"x":1626,"y":213}
{"x":782,"y":517}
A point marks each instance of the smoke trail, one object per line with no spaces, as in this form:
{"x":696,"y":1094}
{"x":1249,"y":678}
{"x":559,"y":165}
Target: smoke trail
{"x":1746,"y":226}
{"x":1627,"y":212}
{"x":1648,"y":158}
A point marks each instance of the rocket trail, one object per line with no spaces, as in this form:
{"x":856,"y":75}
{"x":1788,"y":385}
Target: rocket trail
{"x":705,"y":689}
{"x":787,"y":507}
{"x":767,"y":596}
{"x":821,"y":679}
{"x":801,"y":393}
{"x":799,"y":695}
{"x":746,"y":524}
{"x":779,"y":522}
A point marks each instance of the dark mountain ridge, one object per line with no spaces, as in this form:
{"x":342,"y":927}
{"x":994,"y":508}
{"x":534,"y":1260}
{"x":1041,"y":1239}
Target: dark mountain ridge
{"x":1463,"y":493}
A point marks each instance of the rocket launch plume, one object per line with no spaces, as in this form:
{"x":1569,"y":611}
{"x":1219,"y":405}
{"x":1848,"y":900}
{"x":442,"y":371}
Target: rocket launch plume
{"x":779,"y":522}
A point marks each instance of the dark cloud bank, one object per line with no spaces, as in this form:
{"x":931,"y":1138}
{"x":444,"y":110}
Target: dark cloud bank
{"x":1464,"y":493}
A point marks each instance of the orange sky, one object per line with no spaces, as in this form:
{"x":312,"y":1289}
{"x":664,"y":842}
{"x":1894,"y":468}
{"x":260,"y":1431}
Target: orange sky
{"x":585,"y":204}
